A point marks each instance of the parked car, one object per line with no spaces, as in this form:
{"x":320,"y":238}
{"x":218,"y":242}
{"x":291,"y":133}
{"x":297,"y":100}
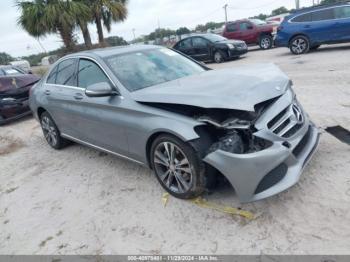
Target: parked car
{"x":251,"y":31}
{"x":15,"y":85}
{"x":156,"y":107}
{"x":311,"y":27}
{"x":211,"y":47}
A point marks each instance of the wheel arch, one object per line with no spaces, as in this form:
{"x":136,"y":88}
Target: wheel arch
{"x":153,"y":137}
{"x":261,"y":34}
{"x":40,"y":111}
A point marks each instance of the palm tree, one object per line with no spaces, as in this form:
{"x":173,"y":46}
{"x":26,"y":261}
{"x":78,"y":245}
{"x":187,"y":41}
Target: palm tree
{"x":82,"y":13}
{"x":106,"y":12}
{"x":42,"y":17}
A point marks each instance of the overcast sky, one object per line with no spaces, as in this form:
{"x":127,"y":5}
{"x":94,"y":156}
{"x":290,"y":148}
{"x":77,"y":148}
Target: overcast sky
{"x":143,"y":17}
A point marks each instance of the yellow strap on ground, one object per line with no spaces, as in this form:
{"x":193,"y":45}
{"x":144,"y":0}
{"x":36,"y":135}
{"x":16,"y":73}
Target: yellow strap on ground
{"x":225,"y":209}
{"x":165,"y":198}
{"x":205,"y":204}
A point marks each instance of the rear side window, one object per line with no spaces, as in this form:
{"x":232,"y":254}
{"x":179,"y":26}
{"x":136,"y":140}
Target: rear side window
{"x":66,"y":73}
{"x":342,"y":12}
{"x":231,"y":27}
{"x":51,"y":79}
{"x":327,"y":14}
{"x":89,"y":73}
{"x":199,"y":42}
{"x":245,"y":26}
{"x":302,"y":18}
{"x":187,"y":43}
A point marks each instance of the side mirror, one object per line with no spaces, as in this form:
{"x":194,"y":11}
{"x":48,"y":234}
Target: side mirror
{"x":100,"y":89}
{"x":250,"y":27}
{"x":30,"y":72}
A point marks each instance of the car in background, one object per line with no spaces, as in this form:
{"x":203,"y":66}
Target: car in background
{"x":15,"y":85}
{"x":277,"y":19}
{"x":251,"y":31}
{"x":309,"y":28}
{"x":24,"y":65}
{"x":211,"y":47}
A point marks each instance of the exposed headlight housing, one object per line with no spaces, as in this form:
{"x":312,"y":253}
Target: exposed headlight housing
{"x":231,"y":46}
{"x":7,"y":100}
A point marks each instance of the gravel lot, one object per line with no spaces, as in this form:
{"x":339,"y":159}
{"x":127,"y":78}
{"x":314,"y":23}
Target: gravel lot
{"x":81,"y":201}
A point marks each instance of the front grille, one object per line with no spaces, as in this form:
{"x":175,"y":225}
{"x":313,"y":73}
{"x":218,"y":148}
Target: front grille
{"x":288,"y":122}
{"x":300,"y":147}
{"x":18,"y":96}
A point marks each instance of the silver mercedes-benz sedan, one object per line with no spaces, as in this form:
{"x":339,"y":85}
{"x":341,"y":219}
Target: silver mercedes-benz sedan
{"x":159,"y":108}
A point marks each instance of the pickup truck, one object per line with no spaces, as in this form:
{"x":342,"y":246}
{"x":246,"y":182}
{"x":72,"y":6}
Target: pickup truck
{"x":252,"y":31}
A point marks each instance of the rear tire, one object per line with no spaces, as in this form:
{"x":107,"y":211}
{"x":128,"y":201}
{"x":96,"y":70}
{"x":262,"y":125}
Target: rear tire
{"x":299,"y":45}
{"x":51,"y":132}
{"x":266,"y":42}
{"x":178,"y":167}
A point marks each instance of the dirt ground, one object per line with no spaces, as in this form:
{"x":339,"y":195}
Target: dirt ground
{"x":81,"y":201}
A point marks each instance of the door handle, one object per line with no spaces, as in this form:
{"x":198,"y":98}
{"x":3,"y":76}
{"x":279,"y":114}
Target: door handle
{"x":47,"y":92}
{"x":78,"y":96}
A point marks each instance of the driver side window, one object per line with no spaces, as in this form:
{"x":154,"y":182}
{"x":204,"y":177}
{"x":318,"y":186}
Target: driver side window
{"x":245,"y":26}
{"x":90,"y":73}
{"x":199,"y":42}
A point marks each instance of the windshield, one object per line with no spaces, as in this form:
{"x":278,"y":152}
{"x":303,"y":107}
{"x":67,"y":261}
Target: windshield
{"x":12,"y":71}
{"x":258,"y":22}
{"x":214,"y":38}
{"x":138,"y":70}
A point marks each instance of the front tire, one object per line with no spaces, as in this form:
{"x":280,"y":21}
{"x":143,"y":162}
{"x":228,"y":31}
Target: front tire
{"x":51,"y":132}
{"x":266,"y":42}
{"x":218,"y":57}
{"x":299,"y":45}
{"x":178,"y":167}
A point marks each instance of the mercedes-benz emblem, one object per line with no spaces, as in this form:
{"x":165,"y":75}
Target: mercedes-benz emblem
{"x":298,"y":114}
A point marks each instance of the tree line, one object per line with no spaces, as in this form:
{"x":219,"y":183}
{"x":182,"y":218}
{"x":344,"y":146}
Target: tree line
{"x":42,"y":17}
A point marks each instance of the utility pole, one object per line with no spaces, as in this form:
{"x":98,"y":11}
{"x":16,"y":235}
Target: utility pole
{"x":225,"y":7}
{"x":297,"y":4}
{"x":133,"y":32}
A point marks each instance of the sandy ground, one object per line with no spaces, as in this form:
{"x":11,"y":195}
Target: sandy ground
{"x":81,"y":201}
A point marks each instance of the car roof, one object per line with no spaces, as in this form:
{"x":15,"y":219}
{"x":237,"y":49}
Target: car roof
{"x":117,"y":50}
{"x":318,"y":7}
{"x":197,"y":34}
{"x":6,"y":66}
{"x":237,"y":21}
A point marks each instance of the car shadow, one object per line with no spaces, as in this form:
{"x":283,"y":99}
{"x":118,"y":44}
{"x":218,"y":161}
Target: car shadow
{"x":331,"y":48}
{"x":322,"y":49}
{"x":17,"y":121}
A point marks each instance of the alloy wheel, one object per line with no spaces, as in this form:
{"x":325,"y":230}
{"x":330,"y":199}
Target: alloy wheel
{"x":265,"y":43}
{"x":299,"y":45}
{"x":218,"y":57}
{"x":49,"y":130}
{"x":173,"y":167}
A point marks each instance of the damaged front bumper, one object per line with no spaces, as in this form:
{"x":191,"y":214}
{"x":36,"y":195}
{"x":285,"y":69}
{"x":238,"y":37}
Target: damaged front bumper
{"x":261,"y":174}
{"x":13,"y":110}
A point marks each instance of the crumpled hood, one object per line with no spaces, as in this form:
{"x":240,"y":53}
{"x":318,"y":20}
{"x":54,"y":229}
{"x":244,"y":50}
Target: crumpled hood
{"x":234,"y":88}
{"x":12,"y":83}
